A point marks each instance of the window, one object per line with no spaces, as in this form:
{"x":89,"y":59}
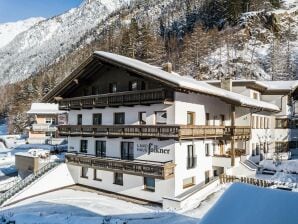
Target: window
{"x":142,"y":117}
{"x":133,"y":85}
{"x":49,"y":134}
{"x":113,"y":87}
{"x":255,"y":95}
{"x":84,"y":172}
{"x":188,"y":182}
{"x":48,"y":120}
{"x":207,"y":149}
{"x":79,"y":119}
{"x":118,"y":178}
{"x":281,"y":123}
{"x":149,"y":184}
{"x":85,"y":91}
{"x":127,"y":150}
{"x":119,"y":118}
{"x":191,"y":159}
{"x":207,"y":122}
{"x":281,"y":146}
{"x":257,"y":149}
{"x":190,"y":118}
{"x":207,"y":176}
{"x":96,"y":175}
{"x":222,"y":120}
{"x":97,"y":119}
{"x":95,"y":90}
{"x":84,"y":146}
{"x":100,"y":148}
{"x":161,"y":117}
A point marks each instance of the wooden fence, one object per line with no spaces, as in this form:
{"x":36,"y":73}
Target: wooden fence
{"x":247,"y":180}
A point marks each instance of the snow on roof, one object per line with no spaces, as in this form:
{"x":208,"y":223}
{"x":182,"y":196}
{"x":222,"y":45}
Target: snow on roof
{"x":187,"y":82}
{"x":45,"y":108}
{"x":281,"y":85}
{"x":289,"y":85}
{"x":247,"y":204}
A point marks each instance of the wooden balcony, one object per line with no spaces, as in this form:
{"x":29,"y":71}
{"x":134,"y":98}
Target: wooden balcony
{"x":237,"y":132}
{"x":143,"y":131}
{"x":158,"y":170}
{"x":129,"y":98}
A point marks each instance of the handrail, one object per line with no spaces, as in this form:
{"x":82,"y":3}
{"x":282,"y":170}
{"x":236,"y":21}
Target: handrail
{"x":26,"y":181}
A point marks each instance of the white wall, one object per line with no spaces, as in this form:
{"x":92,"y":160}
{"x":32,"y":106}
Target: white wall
{"x":132,"y":185}
{"x":131,"y":114}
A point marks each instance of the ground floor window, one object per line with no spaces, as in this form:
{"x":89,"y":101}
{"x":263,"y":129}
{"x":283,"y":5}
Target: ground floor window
{"x":84,"y":146}
{"x":188,"y":182}
{"x":149,"y":184}
{"x":281,"y":147}
{"x":118,"y":178}
{"x":96,"y":175}
{"x":84,"y":172}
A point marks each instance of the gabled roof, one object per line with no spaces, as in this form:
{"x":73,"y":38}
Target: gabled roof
{"x":172,"y":79}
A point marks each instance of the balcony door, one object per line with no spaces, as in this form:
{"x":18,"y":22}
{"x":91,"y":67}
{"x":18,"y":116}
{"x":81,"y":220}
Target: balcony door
{"x":127,"y":150}
{"x":100,"y":148}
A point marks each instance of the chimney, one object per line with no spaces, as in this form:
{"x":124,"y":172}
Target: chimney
{"x":226,"y":84}
{"x":168,"y":67}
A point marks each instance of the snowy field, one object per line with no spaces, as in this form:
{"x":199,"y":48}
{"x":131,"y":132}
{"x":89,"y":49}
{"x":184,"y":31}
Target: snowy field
{"x":77,"y":207}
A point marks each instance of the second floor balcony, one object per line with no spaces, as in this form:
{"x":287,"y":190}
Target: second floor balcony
{"x":143,"y":131}
{"x":129,"y":98}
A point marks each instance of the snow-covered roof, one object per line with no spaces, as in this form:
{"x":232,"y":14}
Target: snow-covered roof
{"x":247,"y":204}
{"x":45,"y":108}
{"x":281,"y":85}
{"x":187,"y":82}
{"x":267,"y":86}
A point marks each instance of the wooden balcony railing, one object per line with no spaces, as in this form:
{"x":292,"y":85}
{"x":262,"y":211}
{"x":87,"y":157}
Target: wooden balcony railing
{"x":143,"y":131}
{"x":158,"y":170}
{"x":238,"y":132}
{"x":127,"y":98}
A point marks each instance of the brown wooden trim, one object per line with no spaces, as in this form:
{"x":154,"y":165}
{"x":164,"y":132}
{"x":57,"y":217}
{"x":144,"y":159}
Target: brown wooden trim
{"x":158,"y":170}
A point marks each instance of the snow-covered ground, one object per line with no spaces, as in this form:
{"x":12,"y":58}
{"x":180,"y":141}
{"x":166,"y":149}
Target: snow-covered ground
{"x":74,"y":206}
{"x":248,"y":204}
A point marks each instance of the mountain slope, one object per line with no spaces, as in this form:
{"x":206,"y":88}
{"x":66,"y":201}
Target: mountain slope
{"x":8,"y":31}
{"x":41,"y":45}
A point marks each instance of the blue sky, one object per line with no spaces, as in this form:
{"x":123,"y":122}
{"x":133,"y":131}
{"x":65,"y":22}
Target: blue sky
{"x":13,"y":10}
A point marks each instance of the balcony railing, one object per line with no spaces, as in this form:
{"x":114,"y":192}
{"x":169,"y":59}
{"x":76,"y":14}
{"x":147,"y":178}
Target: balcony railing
{"x":43,"y":128}
{"x":143,"y":131}
{"x":158,"y":170}
{"x":238,"y":132}
{"x":127,"y":98}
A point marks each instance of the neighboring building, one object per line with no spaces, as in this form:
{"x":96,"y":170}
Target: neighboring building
{"x":44,"y":118}
{"x":144,"y":132}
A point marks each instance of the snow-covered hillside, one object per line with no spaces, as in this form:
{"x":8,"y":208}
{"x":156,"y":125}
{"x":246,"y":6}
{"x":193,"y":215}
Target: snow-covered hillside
{"x":8,"y":31}
{"x":41,"y":45}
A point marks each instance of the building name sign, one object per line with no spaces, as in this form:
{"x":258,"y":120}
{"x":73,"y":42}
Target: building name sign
{"x":151,"y":148}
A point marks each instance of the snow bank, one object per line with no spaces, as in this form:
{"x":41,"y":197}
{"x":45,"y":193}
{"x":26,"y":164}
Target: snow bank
{"x":57,"y":178}
{"x":257,"y":206}
{"x":287,"y":166}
